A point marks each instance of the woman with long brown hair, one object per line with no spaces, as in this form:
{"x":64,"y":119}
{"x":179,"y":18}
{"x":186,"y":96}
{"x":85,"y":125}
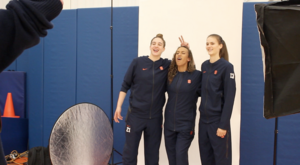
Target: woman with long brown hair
{"x":184,"y":84}
{"x":217,"y":98}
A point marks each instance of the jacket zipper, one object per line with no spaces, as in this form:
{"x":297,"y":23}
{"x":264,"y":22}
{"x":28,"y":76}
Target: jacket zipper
{"x":177,"y":88}
{"x":152,"y":91}
{"x":207,"y":92}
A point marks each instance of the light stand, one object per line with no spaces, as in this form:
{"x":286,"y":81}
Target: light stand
{"x":111,"y":85}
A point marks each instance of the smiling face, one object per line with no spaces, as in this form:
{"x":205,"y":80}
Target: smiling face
{"x":182,"y":57}
{"x":213,"y":47}
{"x":157,"y":47}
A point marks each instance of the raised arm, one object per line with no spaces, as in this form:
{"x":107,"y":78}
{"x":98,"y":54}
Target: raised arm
{"x":22,"y":25}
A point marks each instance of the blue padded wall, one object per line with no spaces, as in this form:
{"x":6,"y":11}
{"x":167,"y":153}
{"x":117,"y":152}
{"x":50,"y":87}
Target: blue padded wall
{"x":14,"y":134}
{"x":93,"y":57}
{"x":72,"y":65}
{"x":125,"y":49}
{"x":31,"y":61}
{"x":288,"y":140}
{"x":257,"y":133}
{"x":12,"y":66}
{"x":22,"y":62}
{"x":59,"y":69}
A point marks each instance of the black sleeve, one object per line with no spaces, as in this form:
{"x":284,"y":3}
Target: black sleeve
{"x":229,"y":95}
{"x":129,"y":76}
{"x":22,"y":25}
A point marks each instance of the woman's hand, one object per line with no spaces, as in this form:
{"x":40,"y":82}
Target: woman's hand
{"x":183,"y":43}
{"x":118,"y":115}
{"x":221,"y":132}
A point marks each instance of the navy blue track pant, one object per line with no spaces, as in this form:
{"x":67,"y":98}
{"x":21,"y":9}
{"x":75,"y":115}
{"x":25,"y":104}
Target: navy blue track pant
{"x":177,"y":146}
{"x":134,"y":128}
{"x":213,"y":149}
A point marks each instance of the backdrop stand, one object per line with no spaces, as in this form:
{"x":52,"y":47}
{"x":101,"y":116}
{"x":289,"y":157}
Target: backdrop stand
{"x":111,"y":84}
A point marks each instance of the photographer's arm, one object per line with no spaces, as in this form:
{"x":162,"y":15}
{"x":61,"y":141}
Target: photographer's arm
{"x":22,"y":25}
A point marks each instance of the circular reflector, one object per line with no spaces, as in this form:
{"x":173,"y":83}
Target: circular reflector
{"x":81,"y":135}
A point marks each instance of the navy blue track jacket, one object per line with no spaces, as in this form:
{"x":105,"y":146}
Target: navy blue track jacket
{"x":218,"y":92}
{"x":147,"y":81}
{"x":181,"y":107}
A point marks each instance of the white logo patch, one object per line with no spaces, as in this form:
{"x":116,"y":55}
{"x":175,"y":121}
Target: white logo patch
{"x":128,"y":129}
{"x":232,"y":75}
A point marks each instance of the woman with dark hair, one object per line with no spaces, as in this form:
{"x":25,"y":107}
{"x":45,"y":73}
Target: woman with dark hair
{"x":146,"y":77}
{"x":184,"y":84}
{"x":217,"y":98}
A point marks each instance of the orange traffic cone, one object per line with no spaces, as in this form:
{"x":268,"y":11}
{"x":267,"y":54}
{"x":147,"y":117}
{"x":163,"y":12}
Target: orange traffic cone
{"x":9,"y":110}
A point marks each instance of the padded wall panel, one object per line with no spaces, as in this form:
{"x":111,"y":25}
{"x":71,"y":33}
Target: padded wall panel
{"x":257,"y":133}
{"x":59,"y":69}
{"x":12,"y":66}
{"x":93,"y":57}
{"x":22,"y":62}
{"x":14,"y":135}
{"x":125,"y":48}
{"x":288,"y":140}
{"x":31,"y":61}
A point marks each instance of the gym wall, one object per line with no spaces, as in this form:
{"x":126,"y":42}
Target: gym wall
{"x":73,"y":65}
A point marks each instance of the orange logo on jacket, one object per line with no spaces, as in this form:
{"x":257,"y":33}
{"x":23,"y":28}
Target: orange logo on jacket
{"x":144,"y":68}
{"x":204,"y":71}
{"x":189,"y":81}
{"x":161,"y":68}
{"x":216,"y":71}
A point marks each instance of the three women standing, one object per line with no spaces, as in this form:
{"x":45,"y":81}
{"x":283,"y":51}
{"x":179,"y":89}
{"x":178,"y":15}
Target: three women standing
{"x":148,"y":78}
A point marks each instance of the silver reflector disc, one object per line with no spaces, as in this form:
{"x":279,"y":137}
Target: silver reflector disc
{"x":82,"y":135}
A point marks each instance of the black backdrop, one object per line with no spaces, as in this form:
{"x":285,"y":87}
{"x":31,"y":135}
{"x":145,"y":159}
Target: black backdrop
{"x":279,"y":27}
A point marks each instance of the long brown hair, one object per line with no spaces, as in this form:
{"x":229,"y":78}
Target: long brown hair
{"x":223,"y":52}
{"x":173,"y":69}
{"x":159,"y":36}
